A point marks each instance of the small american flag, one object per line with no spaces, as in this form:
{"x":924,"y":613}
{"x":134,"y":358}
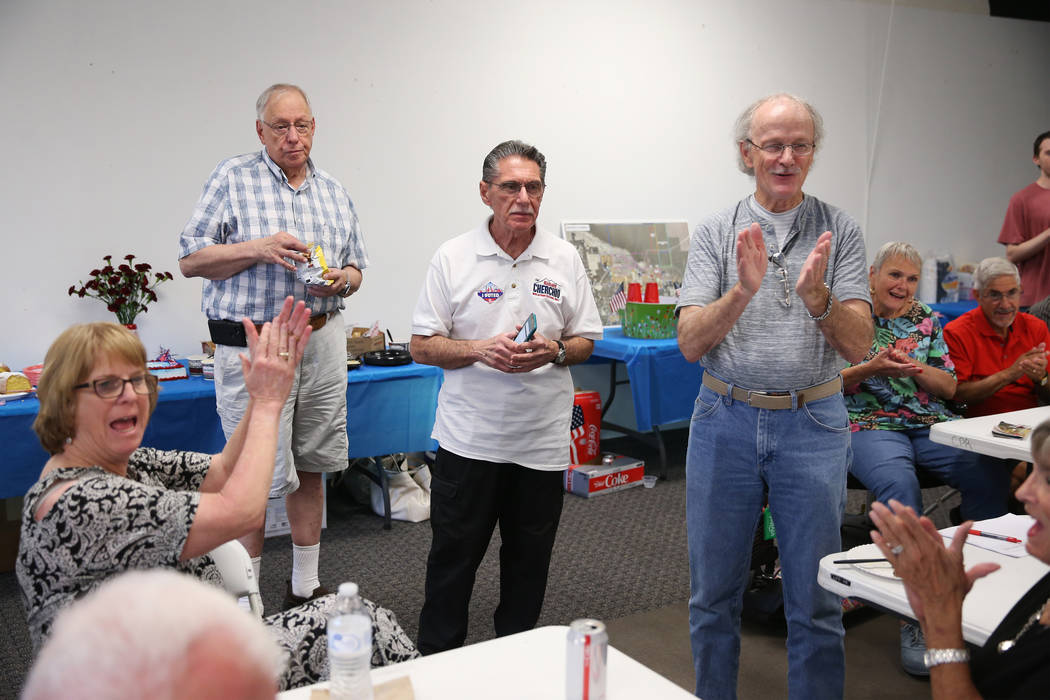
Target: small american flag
{"x":619,"y":300}
{"x":577,"y":428}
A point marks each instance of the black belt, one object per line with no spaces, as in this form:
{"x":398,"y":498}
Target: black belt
{"x":232,"y":332}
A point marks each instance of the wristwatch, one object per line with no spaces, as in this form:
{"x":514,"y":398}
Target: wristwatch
{"x":936,"y":657}
{"x":346,"y":290}
{"x":560,"y":357}
{"x":1042,"y":382}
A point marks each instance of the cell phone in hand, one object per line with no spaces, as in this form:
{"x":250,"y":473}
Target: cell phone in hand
{"x":528,"y":329}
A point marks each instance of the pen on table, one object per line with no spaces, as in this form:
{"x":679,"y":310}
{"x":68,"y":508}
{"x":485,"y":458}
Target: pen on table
{"x":856,"y":561}
{"x":992,"y":535}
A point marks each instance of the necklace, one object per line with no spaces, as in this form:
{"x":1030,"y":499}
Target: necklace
{"x":1008,"y":644}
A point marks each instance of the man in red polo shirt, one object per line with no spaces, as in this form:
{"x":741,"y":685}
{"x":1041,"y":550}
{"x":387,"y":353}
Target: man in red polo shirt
{"x":999,"y":352}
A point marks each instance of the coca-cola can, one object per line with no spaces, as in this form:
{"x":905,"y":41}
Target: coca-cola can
{"x":586,"y":652}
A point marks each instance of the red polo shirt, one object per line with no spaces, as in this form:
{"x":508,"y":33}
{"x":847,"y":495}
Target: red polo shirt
{"x":978,"y":352}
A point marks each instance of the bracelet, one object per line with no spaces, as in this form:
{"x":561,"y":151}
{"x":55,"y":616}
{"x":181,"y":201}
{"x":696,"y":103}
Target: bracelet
{"x":827,"y":311}
{"x":936,"y":657}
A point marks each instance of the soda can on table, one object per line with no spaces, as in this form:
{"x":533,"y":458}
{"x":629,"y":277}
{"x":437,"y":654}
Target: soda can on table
{"x":586,"y":651}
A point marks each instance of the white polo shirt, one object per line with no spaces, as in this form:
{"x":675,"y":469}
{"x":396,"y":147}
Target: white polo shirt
{"x":474,"y":290}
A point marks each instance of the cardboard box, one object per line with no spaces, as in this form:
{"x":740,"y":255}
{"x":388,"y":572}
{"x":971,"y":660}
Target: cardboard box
{"x":588,"y":480}
{"x":585,"y":429}
{"x":359,"y":345}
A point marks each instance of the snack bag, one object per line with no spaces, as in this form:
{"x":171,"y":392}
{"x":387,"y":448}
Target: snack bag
{"x":312,"y":271}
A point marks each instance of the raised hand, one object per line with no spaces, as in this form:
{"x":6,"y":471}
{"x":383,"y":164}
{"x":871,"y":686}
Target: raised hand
{"x":810,"y":285}
{"x":933,"y":574}
{"x":275,"y":352}
{"x":751,"y":258}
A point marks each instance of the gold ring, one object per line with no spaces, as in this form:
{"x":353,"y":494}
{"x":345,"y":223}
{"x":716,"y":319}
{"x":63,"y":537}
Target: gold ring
{"x":283,"y":354}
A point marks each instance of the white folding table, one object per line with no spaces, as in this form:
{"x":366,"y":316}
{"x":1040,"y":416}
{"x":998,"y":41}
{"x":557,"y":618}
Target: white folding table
{"x":523,"y":666}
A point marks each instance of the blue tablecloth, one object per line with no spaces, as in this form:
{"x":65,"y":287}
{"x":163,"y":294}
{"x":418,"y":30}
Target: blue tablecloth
{"x":663,"y":385}
{"x":390,"y":409}
{"x":953,"y":310}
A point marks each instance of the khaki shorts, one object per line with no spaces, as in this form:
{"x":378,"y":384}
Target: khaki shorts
{"x":312,"y":435}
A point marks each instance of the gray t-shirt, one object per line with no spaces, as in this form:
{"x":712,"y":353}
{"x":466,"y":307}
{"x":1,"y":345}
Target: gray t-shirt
{"x":772,"y":347}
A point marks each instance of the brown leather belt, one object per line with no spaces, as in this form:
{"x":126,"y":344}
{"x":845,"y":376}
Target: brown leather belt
{"x":316,"y":322}
{"x":775,"y":400}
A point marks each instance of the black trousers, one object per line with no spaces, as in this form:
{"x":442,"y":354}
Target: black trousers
{"x":468,"y":498}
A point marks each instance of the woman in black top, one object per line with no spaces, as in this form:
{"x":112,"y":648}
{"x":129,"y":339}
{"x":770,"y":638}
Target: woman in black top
{"x":1015,"y":660}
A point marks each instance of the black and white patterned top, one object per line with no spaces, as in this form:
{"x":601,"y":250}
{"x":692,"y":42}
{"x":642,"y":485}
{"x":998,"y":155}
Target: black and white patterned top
{"x":106,"y":524}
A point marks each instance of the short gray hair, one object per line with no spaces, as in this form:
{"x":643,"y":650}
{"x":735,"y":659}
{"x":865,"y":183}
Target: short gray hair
{"x":1039,"y":435}
{"x":742,"y":127}
{"x":896,"y":249}
{"x":132,"y":636}
{"x":490,"y":166}
{"x":990,"y":268}
{"x":277,"y":89}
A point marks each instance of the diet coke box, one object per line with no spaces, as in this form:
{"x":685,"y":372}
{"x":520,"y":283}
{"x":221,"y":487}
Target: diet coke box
{"x":614,"y":474}
{"x":585,"y":429}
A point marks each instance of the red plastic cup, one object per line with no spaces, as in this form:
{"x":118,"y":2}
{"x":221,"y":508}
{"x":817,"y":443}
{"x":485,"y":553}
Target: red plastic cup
{"x":652,"y":293}
{"x":634,"y":291}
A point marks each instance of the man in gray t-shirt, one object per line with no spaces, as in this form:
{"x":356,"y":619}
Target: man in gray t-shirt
{"x":774,"y":302}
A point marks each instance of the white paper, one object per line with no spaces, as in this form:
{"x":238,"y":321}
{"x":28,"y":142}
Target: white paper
{"x":1010,"y":525}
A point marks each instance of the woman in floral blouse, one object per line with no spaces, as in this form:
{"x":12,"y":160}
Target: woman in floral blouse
{"x":900,"y":390}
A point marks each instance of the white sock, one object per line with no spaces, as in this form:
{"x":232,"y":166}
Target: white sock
{"x":257,"y":567}
{"x":304,"y":569}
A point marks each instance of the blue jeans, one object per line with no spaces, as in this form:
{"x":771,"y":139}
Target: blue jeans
{"x":887,"y":462}
{"x":802,"y":455}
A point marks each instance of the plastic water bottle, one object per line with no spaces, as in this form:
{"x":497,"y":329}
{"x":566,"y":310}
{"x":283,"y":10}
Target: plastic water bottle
{"x":350,"y":647}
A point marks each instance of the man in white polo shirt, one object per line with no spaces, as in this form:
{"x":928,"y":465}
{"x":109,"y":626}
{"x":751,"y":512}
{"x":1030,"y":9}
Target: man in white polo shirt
{"x":504,"y":409}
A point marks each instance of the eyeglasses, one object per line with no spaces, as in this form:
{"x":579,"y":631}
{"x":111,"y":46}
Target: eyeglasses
{"x":997,"y":296}
{"x":775,"y":149}
{"x":303,"y":128}
{"x":112,"y":387}
{"x":782,"y":271}
{"x":533,"y":188}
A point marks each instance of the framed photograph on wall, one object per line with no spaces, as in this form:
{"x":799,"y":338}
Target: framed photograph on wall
{"x":617,"y":253}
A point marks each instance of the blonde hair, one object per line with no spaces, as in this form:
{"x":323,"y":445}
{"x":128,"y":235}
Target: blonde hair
{"x":68,"y":362}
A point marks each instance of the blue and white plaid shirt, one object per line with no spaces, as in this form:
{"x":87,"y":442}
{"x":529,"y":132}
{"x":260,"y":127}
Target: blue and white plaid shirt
{"x":248,"y":197}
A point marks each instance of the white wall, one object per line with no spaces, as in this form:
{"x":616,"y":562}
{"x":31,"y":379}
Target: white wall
{"x":116,"y":112}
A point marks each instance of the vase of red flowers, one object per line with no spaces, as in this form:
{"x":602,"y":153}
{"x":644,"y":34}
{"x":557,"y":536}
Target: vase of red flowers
{"x":127,"y":289}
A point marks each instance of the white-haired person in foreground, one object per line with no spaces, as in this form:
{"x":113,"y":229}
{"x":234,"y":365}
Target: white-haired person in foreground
{"x":156,"y":634}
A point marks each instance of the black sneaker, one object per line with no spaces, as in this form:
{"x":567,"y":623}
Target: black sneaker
{"x":913,"y":650}
{"x":292,"y":601}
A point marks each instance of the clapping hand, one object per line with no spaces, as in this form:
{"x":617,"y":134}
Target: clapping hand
{"x":890,"y":362}
{"x":1032,"y":363}
{"x":275,"y":352}
{"x":932,"y":573}
{"x":751,"y":258}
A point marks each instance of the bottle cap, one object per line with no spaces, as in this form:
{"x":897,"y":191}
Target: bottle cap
{"x":348,"y":589}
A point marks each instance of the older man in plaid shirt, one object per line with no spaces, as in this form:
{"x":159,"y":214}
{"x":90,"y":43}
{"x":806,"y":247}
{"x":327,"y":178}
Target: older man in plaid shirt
{"x":253,"y":221}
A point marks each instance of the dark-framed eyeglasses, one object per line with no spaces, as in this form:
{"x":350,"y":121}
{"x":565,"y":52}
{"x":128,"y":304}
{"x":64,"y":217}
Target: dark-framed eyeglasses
{"x":995,"y":296}
{"x":775,"y":149}
{"x":533,"y":188}
{"x":302,"y":128}
{"x":112,"y":387}
{"x":777,"y":259}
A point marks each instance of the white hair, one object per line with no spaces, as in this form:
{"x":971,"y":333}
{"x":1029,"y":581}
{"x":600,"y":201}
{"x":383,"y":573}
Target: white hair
{"x":742,"y":126}
{"x":131,"y":637}
{"x":990,"y":268}
{"x":274,"y":90}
